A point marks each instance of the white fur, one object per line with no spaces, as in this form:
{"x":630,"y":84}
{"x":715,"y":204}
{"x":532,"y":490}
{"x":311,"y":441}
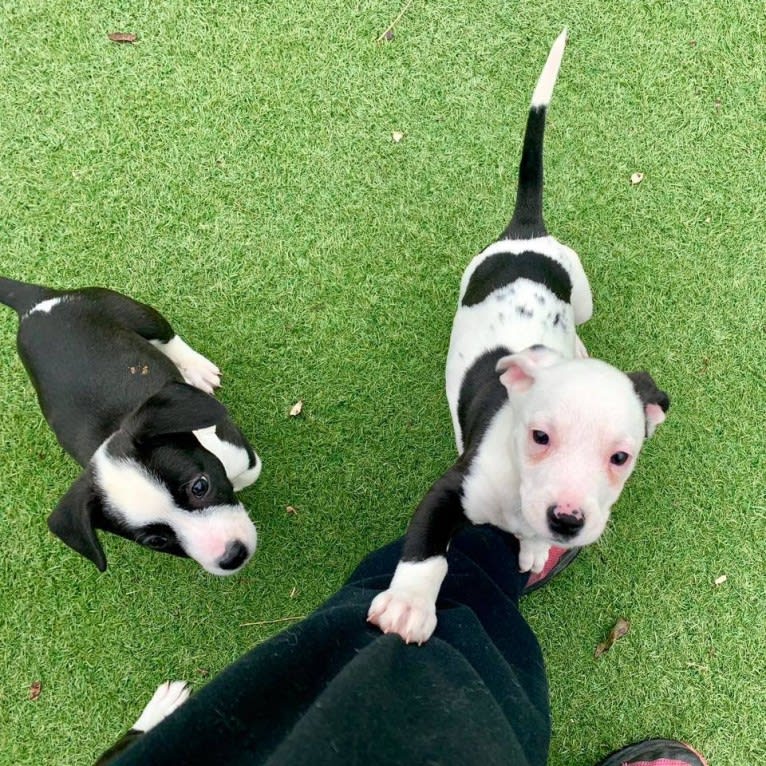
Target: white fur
{"x":197,"y":370}
{"x":408,"y":607}
{"x":544,"y":88}
{"x":142,"y":499}
{"x":168,"y":697}
{"x":45,"y":307}
{"x":590,"y":411}
{"x":494,"y":322}
{"x":234,"y":458}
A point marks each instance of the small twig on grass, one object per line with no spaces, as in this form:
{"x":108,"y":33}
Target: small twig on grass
{"x":270,"y":622}
{"x":390,"y":27}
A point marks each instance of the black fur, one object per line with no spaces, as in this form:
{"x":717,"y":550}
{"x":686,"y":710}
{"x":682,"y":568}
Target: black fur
{"x":437,"y":518}
{"x":502,"y":269}
{"x":647,"y":391}
{"x":97,"y":376}
{"x":527,"y":221}
{"x":481,"y":396}
{"x":440,"y":514}
{"x":119,"y":747}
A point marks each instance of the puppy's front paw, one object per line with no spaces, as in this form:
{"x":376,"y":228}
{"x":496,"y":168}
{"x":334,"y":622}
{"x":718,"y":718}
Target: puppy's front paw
{"x":168,"y":697}
{"x":532,"y":555}
{"x":404,"y":612}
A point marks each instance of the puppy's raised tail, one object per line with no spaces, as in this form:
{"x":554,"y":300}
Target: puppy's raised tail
{"x":527,"y":221}
{"x":21,"y":296}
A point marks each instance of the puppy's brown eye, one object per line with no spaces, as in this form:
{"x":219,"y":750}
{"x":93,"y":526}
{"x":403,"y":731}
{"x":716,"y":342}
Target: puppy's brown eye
{"x":619,"y":458}
{"x":540,"y":437}
{"x":200,"y":486}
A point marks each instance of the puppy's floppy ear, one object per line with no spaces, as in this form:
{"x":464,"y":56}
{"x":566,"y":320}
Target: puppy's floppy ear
{"x":655,"y":401}
{"x":175,"y":408}
{"x":72,"y":520}
{"x":518,"y":371}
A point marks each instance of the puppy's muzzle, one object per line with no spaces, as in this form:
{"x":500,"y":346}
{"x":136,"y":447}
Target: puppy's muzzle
{"x":565,"y":523}
{"x":234,"y":556}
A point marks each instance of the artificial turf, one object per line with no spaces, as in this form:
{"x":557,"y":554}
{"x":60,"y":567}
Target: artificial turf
{"x":235,"y":167}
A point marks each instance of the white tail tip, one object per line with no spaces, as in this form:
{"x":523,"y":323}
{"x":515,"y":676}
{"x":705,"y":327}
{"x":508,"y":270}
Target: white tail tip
{"x":544,"y":87}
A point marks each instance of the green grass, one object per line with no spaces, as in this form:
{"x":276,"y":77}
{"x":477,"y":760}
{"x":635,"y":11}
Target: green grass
{"x":235,"y":168}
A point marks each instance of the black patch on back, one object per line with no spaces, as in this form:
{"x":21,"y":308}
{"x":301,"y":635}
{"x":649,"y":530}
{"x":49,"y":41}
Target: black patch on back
{"x":481,"y":396}
{"x":502,"y":269}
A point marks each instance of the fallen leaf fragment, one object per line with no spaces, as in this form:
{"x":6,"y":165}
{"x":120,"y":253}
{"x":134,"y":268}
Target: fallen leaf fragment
{"x":720,"y":580}
{"x":291,"y":510}
{"x":122,"y":37}
{"x":294,"y":592}
{"x":397,"y":136}
{"x":636,"y":178}
{"x":296,"y":409}
{"x":620,"y":629}
{"x":34,"y":690}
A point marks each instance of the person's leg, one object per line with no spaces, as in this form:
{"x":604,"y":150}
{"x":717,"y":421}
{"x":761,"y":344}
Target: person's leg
{"x":334,"y":690}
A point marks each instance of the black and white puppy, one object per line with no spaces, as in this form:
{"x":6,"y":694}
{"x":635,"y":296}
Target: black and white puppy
{"x":546,"y":436}
{"x":131,"y":402}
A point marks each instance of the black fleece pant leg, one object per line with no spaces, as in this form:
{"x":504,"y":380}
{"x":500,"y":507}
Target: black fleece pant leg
{"x":333,"y":690}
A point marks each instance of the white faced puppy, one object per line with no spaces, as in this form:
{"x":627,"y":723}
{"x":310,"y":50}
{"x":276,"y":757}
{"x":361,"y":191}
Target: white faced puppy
{"x":546,"y":437}
{"x":131,"y":403}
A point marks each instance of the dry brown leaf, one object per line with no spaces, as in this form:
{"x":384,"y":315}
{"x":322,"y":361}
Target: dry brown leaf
{"x":397,"y":136}
{"x":296,"y":409}
{"x":636,"y":178}
{"x":620,"y":629}
{"x":122,"y":37}
{"x":291,"y":510}
{"x":720,"y":580}
{"x":34,"y":690}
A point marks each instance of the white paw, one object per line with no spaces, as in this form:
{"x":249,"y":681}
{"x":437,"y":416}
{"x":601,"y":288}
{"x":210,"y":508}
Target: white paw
{"x":404,"y":612}
{"x":200,"y":372}
{"x":532,"y":555}
{"x":580,"y":351}
{"x":168,"y":697}
{"x":197,"y":370}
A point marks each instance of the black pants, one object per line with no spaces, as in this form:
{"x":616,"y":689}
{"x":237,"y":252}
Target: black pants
{"x":333,"y":690}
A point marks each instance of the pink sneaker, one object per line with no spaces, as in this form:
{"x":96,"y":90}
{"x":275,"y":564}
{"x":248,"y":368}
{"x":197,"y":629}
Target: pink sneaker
{"x":558,"y":560}
{"x":655,"y":752}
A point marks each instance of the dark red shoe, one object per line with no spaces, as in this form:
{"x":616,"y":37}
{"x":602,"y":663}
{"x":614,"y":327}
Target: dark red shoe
{"x":558,"y":560}
{"x":655,"y":752}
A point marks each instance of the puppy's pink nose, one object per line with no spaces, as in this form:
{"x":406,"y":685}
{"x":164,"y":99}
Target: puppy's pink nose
{"x":568,"y":507}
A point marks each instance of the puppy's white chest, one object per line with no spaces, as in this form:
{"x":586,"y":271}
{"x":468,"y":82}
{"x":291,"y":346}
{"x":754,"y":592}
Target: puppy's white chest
{"x":491,"y":487}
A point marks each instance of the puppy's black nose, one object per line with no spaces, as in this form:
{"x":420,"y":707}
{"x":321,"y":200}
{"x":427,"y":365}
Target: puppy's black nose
{"x":234,"y":556}
{"x":565,"y":524}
